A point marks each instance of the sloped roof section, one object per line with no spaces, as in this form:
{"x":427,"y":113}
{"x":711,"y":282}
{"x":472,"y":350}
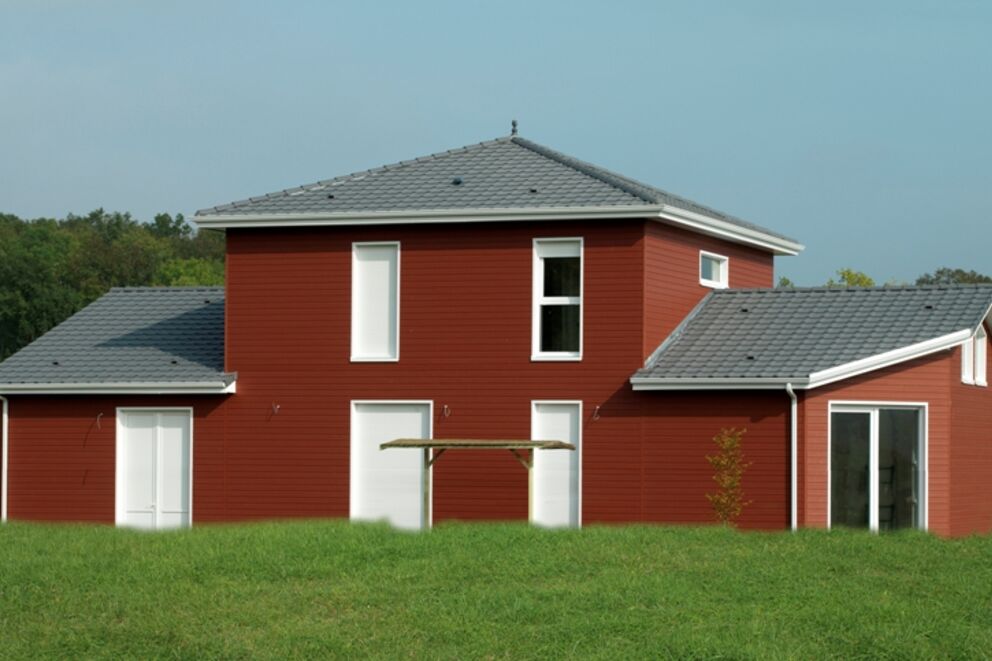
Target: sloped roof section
{"x":507,"y":173}
{"x":147,"y":339}
{"x":805,"y":334}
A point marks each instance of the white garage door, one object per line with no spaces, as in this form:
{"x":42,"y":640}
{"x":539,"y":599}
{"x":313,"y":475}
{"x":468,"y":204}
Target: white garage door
{"x":556,"y":473}
{"x":389,"y":484}
{"x":153,"y":468}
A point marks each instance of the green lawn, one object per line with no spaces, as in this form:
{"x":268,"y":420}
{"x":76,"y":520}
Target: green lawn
{"x":493,"y":591}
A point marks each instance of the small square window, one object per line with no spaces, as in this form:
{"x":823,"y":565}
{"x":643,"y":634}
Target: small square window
{"x":714,"y":270}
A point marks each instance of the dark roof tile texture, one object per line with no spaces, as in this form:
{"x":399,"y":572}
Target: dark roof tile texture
{"x":506,"y":173}
{"x":130,"y":335}
{"x":792,"y":333}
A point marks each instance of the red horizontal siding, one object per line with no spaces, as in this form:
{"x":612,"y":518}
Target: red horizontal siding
{"x":922,"y":380}
{"x":971,"y":454}
{"x":465,"y":342}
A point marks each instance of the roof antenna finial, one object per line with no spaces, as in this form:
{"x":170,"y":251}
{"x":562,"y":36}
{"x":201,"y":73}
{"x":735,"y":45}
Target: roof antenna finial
{"x":513,"y":127}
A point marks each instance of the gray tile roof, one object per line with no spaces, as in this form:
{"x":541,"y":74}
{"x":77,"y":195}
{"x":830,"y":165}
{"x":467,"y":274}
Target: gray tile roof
{"x":792,"y":333}
{"x":506,"y":173}
{"x":130,"y":335}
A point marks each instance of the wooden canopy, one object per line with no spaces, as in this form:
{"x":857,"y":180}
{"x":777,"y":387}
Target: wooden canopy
{"x":440,"y":445}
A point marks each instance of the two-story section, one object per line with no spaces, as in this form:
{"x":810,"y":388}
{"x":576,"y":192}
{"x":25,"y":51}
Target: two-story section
{"x":498,"y":291}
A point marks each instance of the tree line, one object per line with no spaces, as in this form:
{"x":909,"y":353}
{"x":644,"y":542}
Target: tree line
{"x":51,"y":268}
{"x":943,"y":276}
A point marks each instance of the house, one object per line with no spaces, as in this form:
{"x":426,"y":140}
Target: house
{"x":502,"y":293}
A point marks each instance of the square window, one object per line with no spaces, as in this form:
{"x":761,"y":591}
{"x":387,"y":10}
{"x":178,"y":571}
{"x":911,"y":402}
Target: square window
{"x":713,"y":270}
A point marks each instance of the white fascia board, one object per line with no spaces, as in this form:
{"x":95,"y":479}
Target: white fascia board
{"x":422,"y":217}
{"x":882,"y":360}
{"x":149,"y":388}
{"x":648,"y":383}
{"x":730,"y":231}
{"x":660,"y":212}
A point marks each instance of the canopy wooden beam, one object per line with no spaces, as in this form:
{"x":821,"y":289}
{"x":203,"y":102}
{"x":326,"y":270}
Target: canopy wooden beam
{"x":440,"y":446}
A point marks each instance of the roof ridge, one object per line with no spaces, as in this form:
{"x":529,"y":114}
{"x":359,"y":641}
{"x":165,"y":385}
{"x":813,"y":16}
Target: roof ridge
{"x":389,"y":167}
{"x":187,"y":288}
{"x":627,"y":185}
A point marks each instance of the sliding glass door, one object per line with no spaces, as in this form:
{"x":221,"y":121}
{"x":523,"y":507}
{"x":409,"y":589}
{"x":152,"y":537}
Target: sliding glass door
{"x":877,"y":468}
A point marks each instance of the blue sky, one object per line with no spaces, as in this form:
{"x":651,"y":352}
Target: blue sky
{"x":862,"y":129}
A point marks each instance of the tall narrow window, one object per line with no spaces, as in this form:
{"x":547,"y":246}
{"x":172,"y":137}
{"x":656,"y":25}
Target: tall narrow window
{"x":557,"y":322}
{"x":981,"y":357}
{"x":714,"y":270}
{"x":375,"y":288}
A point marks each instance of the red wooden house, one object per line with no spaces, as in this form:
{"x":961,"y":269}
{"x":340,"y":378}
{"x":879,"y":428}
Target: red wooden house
{"x":501,"y":291}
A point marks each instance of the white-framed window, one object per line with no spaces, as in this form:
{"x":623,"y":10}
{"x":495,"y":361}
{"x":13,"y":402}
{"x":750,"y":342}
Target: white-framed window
{"x":877,"y":465}
{"x":981,"y":357}
{"x":974,"y":359}
{"x":557,"y":304}
{"x":375,"y":301}
{"x":714,"y":270}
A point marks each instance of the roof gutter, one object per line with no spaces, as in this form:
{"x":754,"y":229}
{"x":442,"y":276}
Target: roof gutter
{"x":3,"y":459}
{"x":142,"y":388}
{"x":660,"y":212}
{"x":793,"y":456}
{"x":653,"y":383}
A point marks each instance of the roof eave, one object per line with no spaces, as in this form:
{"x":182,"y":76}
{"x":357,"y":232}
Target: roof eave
{"x":735,"y":383}
{"x":219,"y":387}
{"x":659,"y":212}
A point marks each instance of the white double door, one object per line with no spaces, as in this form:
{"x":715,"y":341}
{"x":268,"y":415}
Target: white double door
{"x":153,"y":468}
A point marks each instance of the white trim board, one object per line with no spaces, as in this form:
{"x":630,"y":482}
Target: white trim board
{"x":124,"y":388}
{"x":659,"y":212}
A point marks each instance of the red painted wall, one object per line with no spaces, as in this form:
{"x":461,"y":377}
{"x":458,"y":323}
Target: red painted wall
{"x":926,"y":379}
{"x":971,"y":454}
{"x":61,"y":457}
{"x":465,"y":342}
{"x":671,"y":275}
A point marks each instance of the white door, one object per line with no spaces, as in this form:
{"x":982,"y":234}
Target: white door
{"x":389,"y":484}
{"x":153,"y":468}
{"x":556,"y":473}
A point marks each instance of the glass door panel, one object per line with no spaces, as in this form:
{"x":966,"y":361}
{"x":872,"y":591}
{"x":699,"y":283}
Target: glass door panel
{"x":850,"y":443}
{"x":898,"y":469}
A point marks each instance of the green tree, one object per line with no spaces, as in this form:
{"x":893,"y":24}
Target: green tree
{"x":949,"y":276}
{"x":785,"y":283}
{"x":851,"y":278}
{"x":51,"y":268}
{"x":190,"y":272}
{"x":728,"y":465}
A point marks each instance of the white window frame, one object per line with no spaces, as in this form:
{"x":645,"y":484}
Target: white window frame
{"x":981,"y":357}
{"x":355,"y":357}
{"x":120,"y":469}
{"x":539,"y":300}
{"x":724,"y":261}
{"x":871,"y":408}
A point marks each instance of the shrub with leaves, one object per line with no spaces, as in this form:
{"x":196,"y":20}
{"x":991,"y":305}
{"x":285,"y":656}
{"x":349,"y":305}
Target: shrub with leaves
{"x":728,"y":466}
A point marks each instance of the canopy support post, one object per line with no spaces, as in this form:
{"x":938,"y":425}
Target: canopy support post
{"x":427,"y":487}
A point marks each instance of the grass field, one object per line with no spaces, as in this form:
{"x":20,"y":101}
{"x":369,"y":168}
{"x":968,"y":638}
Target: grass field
{"x":318,"y":589}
